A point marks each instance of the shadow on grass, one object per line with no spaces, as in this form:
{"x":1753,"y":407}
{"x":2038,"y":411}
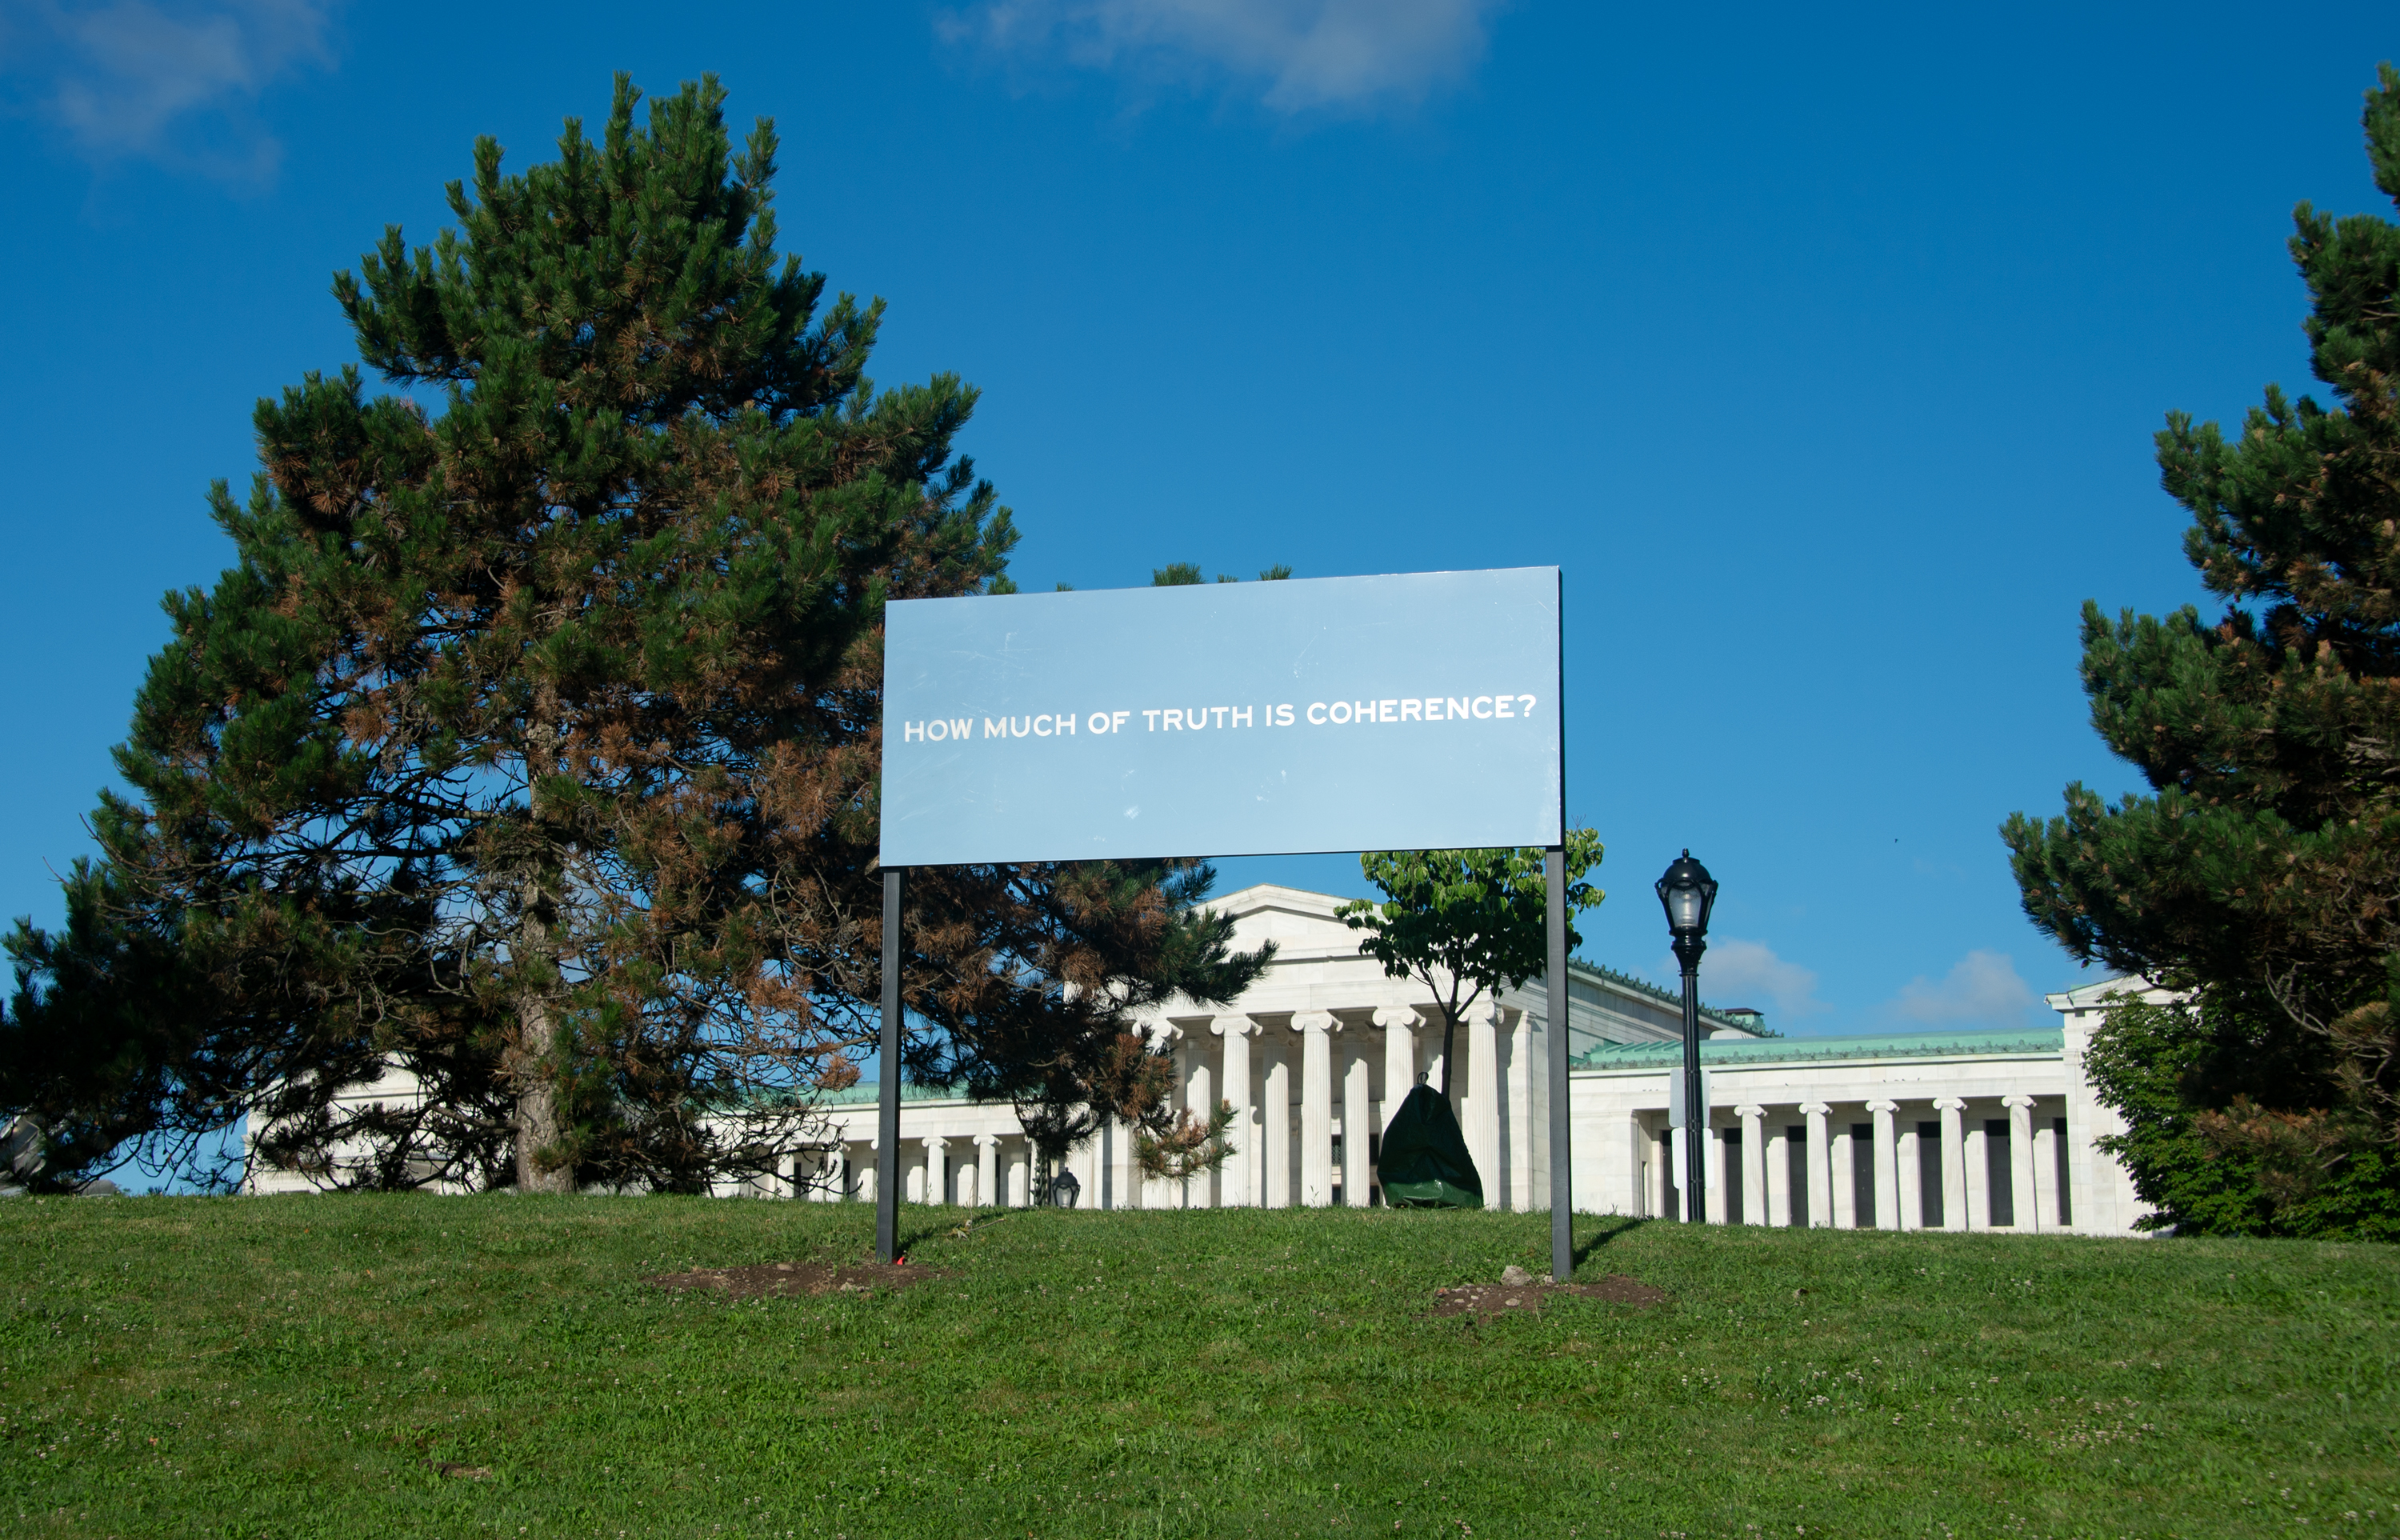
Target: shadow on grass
{"x":1613,"y":1227}
{"x":976,"y":1224}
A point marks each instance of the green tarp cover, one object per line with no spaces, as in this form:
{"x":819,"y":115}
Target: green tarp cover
{"x":1424,"y":1161}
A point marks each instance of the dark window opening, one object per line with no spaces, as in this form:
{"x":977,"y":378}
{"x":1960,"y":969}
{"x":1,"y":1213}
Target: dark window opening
{"x":1863,"y":1169}
{"x":2066,"y":1189}
{"x":1795,"y":1140}
{"x":1733,"y":1175}
{"x":1928,"y":1172}
{"x":1996,"y":1172}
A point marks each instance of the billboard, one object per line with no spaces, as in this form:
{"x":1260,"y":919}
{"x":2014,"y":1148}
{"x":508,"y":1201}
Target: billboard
{"x":1417,"y":711}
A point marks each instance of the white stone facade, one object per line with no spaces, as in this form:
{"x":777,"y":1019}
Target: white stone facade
{"x":1975,"y":1130}
{"x":1956,"y":1130}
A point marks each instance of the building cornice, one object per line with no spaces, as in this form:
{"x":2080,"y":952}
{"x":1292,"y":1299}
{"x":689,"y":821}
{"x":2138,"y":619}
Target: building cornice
{"x":1736,"y":1054}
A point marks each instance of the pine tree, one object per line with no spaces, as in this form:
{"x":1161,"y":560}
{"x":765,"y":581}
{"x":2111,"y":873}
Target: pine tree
{"x":2262,"y":874}
{"x":531,"y":745}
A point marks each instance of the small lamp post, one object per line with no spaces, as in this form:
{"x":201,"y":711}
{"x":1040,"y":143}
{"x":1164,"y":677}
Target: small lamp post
{"x":1688,"y":892}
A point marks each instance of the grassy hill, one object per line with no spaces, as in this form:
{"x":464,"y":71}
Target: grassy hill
{"x":314,"y":1365}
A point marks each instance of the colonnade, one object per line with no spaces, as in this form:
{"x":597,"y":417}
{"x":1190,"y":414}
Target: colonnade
{"x":1311,"y":1090}
{"x":1938,"y":1163}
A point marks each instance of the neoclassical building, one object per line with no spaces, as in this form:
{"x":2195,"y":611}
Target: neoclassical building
{"x":1959,"y":1130}
{"x":1965,"y":1130}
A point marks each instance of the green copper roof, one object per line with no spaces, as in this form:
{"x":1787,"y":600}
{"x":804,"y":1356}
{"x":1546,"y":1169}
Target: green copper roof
{"x":865,"y":1091}
{"x":1736,"y":1052}
{"x":1643,"y":987}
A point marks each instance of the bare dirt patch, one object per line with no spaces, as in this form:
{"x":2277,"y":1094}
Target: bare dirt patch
{"x":771,"y":1279}
{"x":1525,"y":1298}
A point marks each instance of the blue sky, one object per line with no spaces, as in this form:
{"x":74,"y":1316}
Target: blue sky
{"x":1820,"y":349}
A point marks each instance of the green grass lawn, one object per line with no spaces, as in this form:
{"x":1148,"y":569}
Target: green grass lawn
{"x":301,"y":1366}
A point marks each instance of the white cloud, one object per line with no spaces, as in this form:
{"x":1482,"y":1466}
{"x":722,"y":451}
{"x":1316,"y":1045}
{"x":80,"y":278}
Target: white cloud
{"x":1983,"y":990}
{"x":1295,"y":55}
{"x":1734,"y":972}
{"x":165,"y":80}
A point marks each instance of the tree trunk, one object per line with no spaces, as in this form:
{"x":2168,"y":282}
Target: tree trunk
{"x":1450,"y":1015}
{"x":540,"y":1122}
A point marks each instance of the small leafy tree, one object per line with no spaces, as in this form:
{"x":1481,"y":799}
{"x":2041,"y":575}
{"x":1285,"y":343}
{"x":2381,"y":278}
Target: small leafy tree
{"x":2208,"y":1145}
{"x":1469,"y":922}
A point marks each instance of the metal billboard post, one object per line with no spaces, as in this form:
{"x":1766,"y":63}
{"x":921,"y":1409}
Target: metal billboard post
{"x":887,"y":1090}
{"x":1554,"y":866}
{"x":1561,"y":993}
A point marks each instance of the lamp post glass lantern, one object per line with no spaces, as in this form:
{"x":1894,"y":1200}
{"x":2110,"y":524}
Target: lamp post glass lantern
{"x":1688,"y":892}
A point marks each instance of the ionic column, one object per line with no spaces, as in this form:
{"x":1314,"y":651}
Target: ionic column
{"x":1715,"y":1159}
{"x":1661,"y":1176}
{"x":1911,"y":1177}
{"x":1886,"y":1165}
{"x":1357,"y":1117}
{"x":1158,"y":1192}
{"x":1239,"y":1178}
{"x":1979,"y":1176}
{"x":1844,"y":1171}
{"x":1124,"y":1173}
{"x":1400,"y":1025}
{"x":1517,"y":1146}
{"x":1315,"y":1029}
{"x":1200,"y":1097}
{"x":1753,"y":1164}
{"x":937,"y":1170}
{"x":986,"y":1193}
{"x":1020,"y":1173}
{"x":1820,"y":1166}
{"x":2045,"y":1174}
{"x":1483,"y":1099}
{"x":1954,"y":1161}
{"x":1778,"y":1174}
{"x":867,"y":1171}
{"x":1088,"y":1161}
{"x":2025,"y":1208}
{"x":1274,"y":1116}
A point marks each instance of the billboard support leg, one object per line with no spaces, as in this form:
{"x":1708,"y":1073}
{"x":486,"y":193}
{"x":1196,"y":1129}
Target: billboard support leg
{"x":886,"y":1099}
{"x":1554,"y":868}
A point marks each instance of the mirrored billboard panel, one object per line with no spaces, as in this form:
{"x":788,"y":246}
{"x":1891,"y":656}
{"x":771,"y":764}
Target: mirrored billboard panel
{"x":1417,"y":711}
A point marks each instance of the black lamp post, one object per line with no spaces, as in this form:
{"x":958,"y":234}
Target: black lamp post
{"x":1687,"y":891}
